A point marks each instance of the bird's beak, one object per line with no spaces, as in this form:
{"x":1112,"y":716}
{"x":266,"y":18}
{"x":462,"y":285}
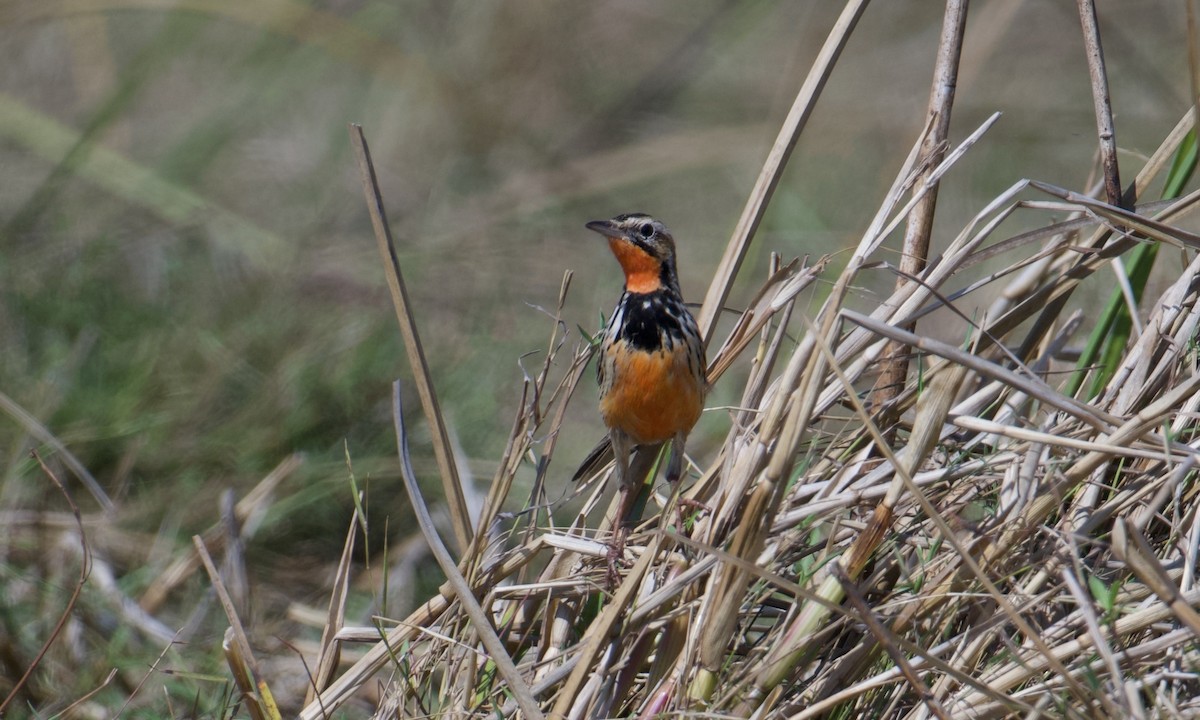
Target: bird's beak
{"x":607,"y":228}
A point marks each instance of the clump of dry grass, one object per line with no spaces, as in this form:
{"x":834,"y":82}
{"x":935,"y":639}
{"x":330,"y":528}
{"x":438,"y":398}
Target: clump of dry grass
{"x":982,"y":537}
{"x":980,"y":544}
{"x":979,"y":539}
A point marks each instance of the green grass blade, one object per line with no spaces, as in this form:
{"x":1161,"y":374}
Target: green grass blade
{"x":1107,"y":343}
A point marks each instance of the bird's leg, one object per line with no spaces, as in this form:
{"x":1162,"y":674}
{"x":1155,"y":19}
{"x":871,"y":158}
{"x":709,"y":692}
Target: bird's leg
{"x":616,"y":548}
{"x":675,"y":466}
{"x":675,"y":472}
{"x":621,"y":445}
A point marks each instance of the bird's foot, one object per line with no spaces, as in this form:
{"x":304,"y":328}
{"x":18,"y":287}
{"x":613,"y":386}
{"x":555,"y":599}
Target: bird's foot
{"x":616,"y":558}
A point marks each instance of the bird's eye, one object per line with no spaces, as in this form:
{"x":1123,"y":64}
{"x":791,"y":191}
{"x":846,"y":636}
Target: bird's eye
{"x":647,"y":230}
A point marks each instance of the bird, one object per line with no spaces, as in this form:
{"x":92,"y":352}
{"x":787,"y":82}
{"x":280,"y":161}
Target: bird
{"x":651,"y":368}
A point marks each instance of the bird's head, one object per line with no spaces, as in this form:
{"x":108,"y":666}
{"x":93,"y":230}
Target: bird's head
{"x":645,"y":249}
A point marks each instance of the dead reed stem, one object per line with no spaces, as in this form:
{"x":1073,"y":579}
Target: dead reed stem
{"x":919,"y":225}
{"x":1102,"y":102}
{"x":448,"y":470}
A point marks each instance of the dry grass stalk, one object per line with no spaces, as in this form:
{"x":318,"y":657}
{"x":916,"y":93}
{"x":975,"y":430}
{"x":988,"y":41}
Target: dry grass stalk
{"x":459,"y":517}
{"x":917,"y":230}
{"x":260,"y":702}
{"x":466,"y":598}
{"x":1102,"y":101}
{"x":768,"y":177}
{"x":330,"y":645}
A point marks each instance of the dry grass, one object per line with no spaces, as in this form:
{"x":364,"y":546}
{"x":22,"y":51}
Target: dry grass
{"x":1001,"y":549}
{"x":1002,"y":536}
{"x":1014,"y":550}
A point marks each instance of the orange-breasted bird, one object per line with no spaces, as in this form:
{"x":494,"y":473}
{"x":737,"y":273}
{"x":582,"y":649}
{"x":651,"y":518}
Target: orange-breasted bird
{"x":651,"y":367}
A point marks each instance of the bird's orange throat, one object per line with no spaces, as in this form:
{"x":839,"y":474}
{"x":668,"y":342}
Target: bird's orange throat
{"x":643,"y":272}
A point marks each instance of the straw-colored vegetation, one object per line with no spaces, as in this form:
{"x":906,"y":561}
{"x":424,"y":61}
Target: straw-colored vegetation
{"x":898,"y":521}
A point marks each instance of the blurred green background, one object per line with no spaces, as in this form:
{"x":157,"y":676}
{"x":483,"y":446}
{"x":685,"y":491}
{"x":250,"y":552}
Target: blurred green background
{"x":189,"y":287}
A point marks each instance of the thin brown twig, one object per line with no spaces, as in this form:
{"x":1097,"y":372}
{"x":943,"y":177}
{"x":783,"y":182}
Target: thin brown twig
{"x":149,"y":672}
{"x":919,"y":225}
{"x":1102,"y":103}
{"x":84,"y":570}
{"x":69,"y":710}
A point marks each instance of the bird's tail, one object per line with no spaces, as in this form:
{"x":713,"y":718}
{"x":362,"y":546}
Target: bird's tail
{"x":642,"y":461}
{"x":596,"y":460}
